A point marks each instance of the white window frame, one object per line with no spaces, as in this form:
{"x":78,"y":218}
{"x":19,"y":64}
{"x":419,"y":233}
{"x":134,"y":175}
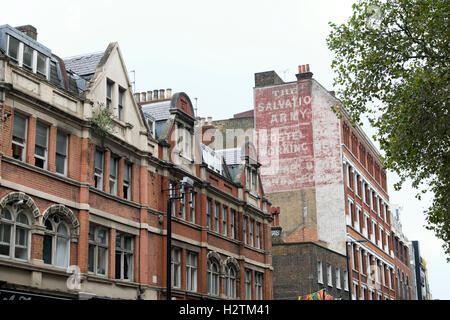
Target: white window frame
{"x":97,"y":245}
{"x":232,"y":223}
{"x":191,"y":271}
{"x":244,"y":229}
{"x":124,"y":252}
{"x":98,"y":171}
{"x":120,"y":103}
{"x":113,"y":177}
{"x":109,"y":98}
{"x":14,"y":212}
{"x":213,"y":276}
{"x":230,"y":282}
{"x":44,"y":158}
{"x":127,"y":183}
{"x":338,"y":277}
{"x":329,"y":275}
{"x":192,"y":196}
{"x":248,"y":284}
{"x":345,"y":280}
{"x":176,"y":267}
{"x":23,"y":144}
{"x":34,"y":58}
{"x":259,"y":285}
{"x":216,"y":217}
{"x":55,"y":221}
{"x":258,"y":235}
{"x":319,"y":271}
{"x":224,"y":220}
{"x":250,"y":231}
{"x":65,"y":156}
{"x":208,"y":213}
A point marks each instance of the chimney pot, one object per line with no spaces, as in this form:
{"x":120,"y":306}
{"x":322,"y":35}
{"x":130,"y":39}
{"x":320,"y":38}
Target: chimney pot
{"x":155,"y":94}
{"x":137,"y":97}
{"x":143,"y":96}
{"x":161,"y":94}
{"x":149,"y":95}
{"x":168,"y":93}
{"x":304,"y":72}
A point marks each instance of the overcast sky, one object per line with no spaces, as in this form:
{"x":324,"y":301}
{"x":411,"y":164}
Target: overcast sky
{"x":211,"y":50}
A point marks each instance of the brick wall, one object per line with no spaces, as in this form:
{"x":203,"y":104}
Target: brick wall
{"x":295,"y":270}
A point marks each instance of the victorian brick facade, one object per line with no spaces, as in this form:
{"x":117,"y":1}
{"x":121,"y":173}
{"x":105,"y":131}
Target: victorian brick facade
{"x":84,"y":212}
{"x":327,"y":178}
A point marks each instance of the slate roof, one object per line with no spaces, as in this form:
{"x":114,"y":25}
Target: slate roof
{"x":83,"y":65}
{"x":158,"y":110}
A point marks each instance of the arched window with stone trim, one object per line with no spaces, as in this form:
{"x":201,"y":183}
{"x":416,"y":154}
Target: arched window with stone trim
{"x":212,"y":277}
{"x":56,"y":249}
{"x":230,"y":282}
{"x":15,"y":230}
{"x":61,"y":226}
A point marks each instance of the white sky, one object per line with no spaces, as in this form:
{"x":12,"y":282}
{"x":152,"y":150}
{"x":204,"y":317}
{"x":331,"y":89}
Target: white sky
{"x":211,"y":50}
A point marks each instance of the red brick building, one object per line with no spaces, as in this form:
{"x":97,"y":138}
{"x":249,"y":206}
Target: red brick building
{"x":326,"y":177}
{"x":84,"y":198}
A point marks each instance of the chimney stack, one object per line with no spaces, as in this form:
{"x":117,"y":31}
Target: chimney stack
{"x":304,"y":72}
{"x":29,"y":30}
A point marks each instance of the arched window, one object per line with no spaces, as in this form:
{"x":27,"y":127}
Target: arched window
{"x":212,"y":278}
{"x":230,"y":282}
{"x":14,"y":232}
{"x":56,"y":242}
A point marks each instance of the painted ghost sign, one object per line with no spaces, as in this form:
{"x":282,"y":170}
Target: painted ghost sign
{"x":284,"y":136}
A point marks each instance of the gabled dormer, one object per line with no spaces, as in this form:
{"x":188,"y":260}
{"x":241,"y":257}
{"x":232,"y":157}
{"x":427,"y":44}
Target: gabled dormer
{"x":173,"y":123}
{"x":108,"y":86}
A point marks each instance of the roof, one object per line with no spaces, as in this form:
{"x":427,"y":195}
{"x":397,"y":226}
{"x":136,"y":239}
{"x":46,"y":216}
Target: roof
{"x":158,"y":110}
{"x":232,"y":156}
{"x":83,"y":65}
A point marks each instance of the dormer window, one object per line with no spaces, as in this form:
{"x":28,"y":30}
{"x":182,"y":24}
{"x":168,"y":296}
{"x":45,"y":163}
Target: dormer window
{"x":184,"y":142}
{"x":151,"y":126}
{"x":13,"y":48}
{"x":41,"y":67}
{"x":26,"y":56}
{"x":252,"y":176}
